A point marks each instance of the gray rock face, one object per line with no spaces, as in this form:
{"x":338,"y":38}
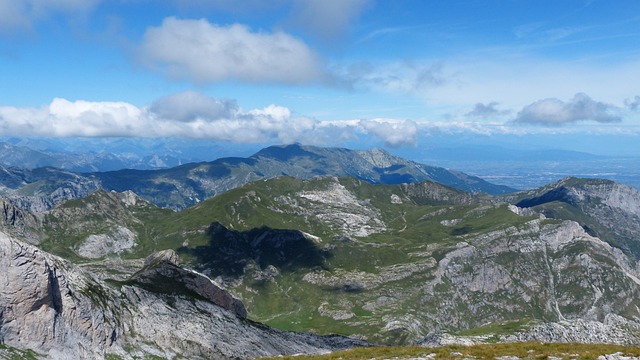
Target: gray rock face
{"x":53,"y":194}
{"x":56,"y":309}
{"x":549,"y":261}
{"x":18,"y":222}
{"x":612,"y":210}
{"x":115,"y":242}
{"x":163,"y":274}
{"x":613,"y":329}
{"x":47,"y":307}
{"x":336,"y":205}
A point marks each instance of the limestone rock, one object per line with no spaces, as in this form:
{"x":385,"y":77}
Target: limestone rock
{"x":116,"y":241}
{"x":49,"y":308}
{"x":56,"y":309}
{"x":162,"y":274}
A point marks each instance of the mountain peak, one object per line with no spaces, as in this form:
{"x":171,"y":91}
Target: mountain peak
{"x":286,"y":152}
{"x":380,"y":158}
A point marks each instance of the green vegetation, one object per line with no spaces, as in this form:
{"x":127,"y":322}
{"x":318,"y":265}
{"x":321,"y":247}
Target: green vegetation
{"x":344,"y":256}
{"x":529,"y":350}
{"x":11,"y":353}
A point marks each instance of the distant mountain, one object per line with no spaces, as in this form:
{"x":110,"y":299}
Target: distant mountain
{"x":186,"y":185}
{"x":108,"y":154}
{"x":27,"y":158}
{"x":180,"y":187}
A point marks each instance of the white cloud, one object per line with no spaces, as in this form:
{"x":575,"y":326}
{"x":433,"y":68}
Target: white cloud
{"x":197,"y":116}
{"x":193,"y":115}
{"x":64,"y":118}
{"x":411,"y":77}
{"x":190,"y":105}
{"x":187,"y":115}
{"x":326,"y":19}
{"x":201,"y":52}
{"x":553,"y":111}
{"x":394,"y":133}
{"x":633,"y":104}
{"x":486,"y":110}
{"x":22,"y":14}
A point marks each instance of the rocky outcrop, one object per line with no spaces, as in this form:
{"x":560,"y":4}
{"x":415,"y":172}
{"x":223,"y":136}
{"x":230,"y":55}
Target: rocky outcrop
{"x":565,"y":271}
{"x":613,"y":330}
{"x":608,"y":210}
{"x":19,"y":222}
{"x":56,"y":186}
{"x":50,"y":306}
{"x":334,"y":204}
{"x":163,"y":274}
{"x":117,"y":240}
{"x":103,"y":224}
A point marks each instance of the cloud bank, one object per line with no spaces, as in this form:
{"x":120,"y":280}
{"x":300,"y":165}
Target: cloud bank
{"x":556,"y":112}
{"x":201,"y":52}
{"x":394,"y":133}
{"x":194,"y":115}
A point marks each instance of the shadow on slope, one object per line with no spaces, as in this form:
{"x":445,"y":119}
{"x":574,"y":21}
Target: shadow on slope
{"x":229,"y":252}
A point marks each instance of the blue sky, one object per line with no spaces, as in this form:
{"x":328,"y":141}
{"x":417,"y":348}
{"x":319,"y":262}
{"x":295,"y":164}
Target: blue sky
{"x":324,"y":72}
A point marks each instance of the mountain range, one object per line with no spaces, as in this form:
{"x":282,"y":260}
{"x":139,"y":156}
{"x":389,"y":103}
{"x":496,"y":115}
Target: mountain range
{"x":304,"y":239}
{"x":183,"y":186}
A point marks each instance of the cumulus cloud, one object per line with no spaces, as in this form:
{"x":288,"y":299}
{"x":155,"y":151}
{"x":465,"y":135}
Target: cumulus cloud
{"x":326,"y":19}
{"x":190,"y":106}
{"x":188,"y":115}
{"x":22,"y":14}
{"x":394,"y":133}
{"x":194,"y":115}
{"x":557,"y":112}
{"x":201,"y":52}
{"x":197,"y":116}
{"x":633,"y":104}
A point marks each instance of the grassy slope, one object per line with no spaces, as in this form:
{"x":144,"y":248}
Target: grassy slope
{"x":414,"y":234}
{"x":521,"y":350}
{"x":351,"y":303}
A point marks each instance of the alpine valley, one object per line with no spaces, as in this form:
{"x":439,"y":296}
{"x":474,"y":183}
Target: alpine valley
{"x":301,"y":250}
